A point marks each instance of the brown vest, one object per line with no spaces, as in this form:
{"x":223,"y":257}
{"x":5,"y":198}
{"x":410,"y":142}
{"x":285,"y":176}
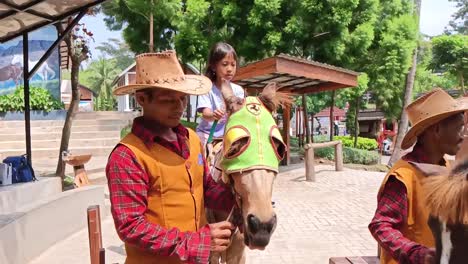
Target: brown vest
{"x":416,"y":227}
{"x":175,"y":196}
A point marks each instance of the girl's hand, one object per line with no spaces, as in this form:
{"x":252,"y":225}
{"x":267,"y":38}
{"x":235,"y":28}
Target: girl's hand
{"x":218,"y":114}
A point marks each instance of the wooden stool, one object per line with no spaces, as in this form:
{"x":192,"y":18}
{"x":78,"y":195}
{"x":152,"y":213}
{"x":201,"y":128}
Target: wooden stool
{"x":78,"y":162}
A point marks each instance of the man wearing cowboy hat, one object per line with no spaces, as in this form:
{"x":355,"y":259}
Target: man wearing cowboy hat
{"x":158,"y":180}
{"x":400,"y":221}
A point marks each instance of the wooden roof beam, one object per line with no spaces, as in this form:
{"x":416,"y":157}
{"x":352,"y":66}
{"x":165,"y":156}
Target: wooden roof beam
{"x":315,"y":72}
{"x":323,"y":87}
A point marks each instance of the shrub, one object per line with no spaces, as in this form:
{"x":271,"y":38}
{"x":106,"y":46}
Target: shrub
{"x":191,"y":125}
{"x":125,"y":131}
{"x":362,"y":143}
{"x":40,"y":99}
{"x":350,"y":155}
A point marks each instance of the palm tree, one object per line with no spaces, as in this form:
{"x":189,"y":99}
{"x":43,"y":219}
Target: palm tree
{"x":103,"y":72}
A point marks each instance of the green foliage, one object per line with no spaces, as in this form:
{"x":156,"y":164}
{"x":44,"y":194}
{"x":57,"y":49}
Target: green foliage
{"x":101,"y":74}
{"x":40,"y":99}
{"x":350,"y":155}
{"x":425,"y":79}
{"x":118,"y":51}
{"x":459,"y":23}
{"x":390,"y":58}
{"x":352,"y":96}
{"x":372,"y":36}
{"x":450,"y":55}
{"x":133,"y":17}
{"x":125,"y":131}
{"x":191,"y":125}
{"x":362,"y":143}
{"x":104,"y":104}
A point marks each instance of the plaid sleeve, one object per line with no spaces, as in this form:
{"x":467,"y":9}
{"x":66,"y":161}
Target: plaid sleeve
{"x":389,"y":217}
{"x":217,"y":196}
{"x":128,"y":188}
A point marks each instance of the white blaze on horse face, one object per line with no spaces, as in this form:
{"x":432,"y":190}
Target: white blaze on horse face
{"x":446,"y":244}
{"x":255,"y":188}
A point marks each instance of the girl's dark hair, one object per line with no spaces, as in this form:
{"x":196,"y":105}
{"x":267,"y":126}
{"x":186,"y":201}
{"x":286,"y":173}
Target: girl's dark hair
{"x":217,"y":53}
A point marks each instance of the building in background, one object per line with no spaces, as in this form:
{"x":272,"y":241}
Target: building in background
{"x":86,"y":99}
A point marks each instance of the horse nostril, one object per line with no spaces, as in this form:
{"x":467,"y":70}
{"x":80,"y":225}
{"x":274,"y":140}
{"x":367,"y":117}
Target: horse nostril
{"x":270,"y":226}
{"x":254,"y":223}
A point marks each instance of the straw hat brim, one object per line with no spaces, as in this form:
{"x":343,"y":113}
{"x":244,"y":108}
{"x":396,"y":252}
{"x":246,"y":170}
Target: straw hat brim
{"x":192,"y":84}
{"x":412,"y":135}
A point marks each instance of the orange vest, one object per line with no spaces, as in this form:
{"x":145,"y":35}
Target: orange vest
{"x":416,"y":228}
{"x":175,"y":196}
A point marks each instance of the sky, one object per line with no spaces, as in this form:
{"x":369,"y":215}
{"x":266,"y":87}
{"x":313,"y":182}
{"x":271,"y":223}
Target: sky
{"x":435,"y":15}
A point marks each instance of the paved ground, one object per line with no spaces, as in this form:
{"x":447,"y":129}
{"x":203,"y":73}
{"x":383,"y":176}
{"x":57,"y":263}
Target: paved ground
{"x":316,"y":220}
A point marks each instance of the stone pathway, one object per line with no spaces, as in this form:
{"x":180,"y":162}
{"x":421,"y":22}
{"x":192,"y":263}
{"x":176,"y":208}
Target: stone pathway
{"x":316,"y":220}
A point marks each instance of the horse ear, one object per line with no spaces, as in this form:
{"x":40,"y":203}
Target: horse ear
{"x":272,"y":98}
{"x":431,"y":169}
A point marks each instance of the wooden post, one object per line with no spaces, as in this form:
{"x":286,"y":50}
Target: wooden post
{"x":339,"y":156}
{"x":95,"y":237}
{"x":286,"y":125}
{"x":332,"y":118}
{"x":309,"y":162}
{"x":306,"y":120}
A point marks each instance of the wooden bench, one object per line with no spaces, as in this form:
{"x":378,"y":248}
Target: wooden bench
{"x":354,"y":260}
{"x":310,"y":157}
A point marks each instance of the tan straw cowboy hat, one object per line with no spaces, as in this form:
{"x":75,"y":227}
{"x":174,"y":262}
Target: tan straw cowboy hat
{"x":162,"y":70}
{"x":428,"y":110}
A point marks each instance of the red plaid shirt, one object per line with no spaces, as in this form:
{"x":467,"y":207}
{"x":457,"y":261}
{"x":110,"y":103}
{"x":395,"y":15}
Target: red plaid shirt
{"x":392,"y":213}
{"x":129,"y":187}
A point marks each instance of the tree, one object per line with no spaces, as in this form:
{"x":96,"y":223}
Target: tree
{"x":103,"y":72}
{"x":390,"y":56}
{"x":408,"y":95}
{"x":353,"y":96}
{"x":78,"y":51}
{"x":118,"y":51}
{"x":450,"y":55}
{"x":459,"y":23}
{"x":427,"y":80}
{"x":133,"y":17}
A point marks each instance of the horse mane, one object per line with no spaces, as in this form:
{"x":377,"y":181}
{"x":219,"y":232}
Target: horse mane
{"x":272,"y":98}
{"x":447,"y":195}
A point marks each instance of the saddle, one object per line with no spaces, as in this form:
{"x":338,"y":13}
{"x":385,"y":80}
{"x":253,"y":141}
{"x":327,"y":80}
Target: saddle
{"x":214,"y":156}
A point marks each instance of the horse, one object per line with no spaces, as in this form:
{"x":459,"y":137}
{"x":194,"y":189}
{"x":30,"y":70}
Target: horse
{"x":44,"y":71}
{"x":247,"y":160}
{"x":11,"y":72}
{"x":446,"y":197}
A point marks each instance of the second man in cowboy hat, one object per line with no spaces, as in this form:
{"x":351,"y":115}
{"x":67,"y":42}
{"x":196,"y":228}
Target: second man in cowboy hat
{"x":158,"y":180}
{"x":400,"y":221}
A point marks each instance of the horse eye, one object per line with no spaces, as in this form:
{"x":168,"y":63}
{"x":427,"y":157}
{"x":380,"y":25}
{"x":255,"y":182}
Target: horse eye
{"x":236,"y":141}
{"x":277,"y":143}
{"x":237,"y":148}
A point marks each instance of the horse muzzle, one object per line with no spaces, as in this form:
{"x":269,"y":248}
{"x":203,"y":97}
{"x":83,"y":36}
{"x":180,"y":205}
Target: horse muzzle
{"x":258,"y":233}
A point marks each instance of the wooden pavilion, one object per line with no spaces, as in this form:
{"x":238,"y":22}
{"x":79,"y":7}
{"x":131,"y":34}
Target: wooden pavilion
{"x":299,"y":76}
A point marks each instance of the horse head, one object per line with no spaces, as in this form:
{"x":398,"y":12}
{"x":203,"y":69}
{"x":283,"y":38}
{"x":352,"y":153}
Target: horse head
{"x":446,"y":197}
{"x":252,"y":150}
